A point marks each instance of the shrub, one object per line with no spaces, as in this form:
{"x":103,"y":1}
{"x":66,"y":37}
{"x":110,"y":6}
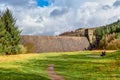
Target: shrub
{"x":23,"y":49}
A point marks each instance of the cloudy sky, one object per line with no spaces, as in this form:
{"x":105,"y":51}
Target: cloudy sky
{"x":52,"y":17}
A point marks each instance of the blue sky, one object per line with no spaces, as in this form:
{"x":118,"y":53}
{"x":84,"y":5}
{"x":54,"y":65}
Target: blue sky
{"x":52,"y":17}
{"x":42,"y":3}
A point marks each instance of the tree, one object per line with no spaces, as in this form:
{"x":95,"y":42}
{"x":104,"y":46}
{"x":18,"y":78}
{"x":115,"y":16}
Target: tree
{"x":12,"y":34}
{"x":2,"y":34}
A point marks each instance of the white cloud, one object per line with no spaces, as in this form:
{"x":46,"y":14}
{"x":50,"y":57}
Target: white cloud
{"x":63,"y":15}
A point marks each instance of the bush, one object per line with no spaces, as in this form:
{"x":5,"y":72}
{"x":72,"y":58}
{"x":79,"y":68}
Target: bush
{"x":23,"y":49}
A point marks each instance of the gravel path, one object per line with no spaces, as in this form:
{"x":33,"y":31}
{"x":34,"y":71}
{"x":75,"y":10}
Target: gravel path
{"x":52,"y":74}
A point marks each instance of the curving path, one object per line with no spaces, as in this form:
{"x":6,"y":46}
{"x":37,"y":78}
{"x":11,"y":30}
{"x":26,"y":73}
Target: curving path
{"x":52,"y":74}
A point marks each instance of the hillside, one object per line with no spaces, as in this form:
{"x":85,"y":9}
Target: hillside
{"x":110,"y":36}
{"x":103,"y":37}
{"x":78,"y":32}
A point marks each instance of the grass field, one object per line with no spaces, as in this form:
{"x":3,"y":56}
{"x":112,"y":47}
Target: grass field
{"x":71,"y":65}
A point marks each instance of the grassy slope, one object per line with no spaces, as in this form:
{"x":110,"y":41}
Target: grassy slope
{"x":72,"y":65}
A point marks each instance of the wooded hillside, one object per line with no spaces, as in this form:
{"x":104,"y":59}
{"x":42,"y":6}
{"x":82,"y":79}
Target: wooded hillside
{"x":110,"y":35}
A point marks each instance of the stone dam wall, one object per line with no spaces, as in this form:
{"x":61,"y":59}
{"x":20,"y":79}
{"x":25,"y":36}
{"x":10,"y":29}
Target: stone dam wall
{"x":39,"y":44}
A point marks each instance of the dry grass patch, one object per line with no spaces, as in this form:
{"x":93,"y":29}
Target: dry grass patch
{"x":20,"y":57}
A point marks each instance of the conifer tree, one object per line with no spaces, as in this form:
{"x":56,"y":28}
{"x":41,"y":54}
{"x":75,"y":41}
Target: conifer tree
{"x":2,"y":34}
{"x":12,"y":34}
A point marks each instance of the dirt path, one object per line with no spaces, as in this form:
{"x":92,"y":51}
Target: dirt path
{"x":52,"y":74}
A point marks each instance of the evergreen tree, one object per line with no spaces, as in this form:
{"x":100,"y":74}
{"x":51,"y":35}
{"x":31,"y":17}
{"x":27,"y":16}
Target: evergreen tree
{"x":2,"y":34}
{"x":12,"y":34}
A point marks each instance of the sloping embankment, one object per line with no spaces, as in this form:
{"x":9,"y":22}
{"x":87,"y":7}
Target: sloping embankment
{"x":54,"y":43}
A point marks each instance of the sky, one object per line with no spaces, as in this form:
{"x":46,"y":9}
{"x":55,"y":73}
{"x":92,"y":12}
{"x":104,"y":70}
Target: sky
{"x":52,"y":17}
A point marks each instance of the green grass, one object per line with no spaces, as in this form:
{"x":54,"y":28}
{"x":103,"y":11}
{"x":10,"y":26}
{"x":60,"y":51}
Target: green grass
{"x":71,"y":65}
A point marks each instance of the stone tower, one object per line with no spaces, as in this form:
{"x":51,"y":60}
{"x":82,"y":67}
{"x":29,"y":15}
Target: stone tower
{"x":89,"y":33}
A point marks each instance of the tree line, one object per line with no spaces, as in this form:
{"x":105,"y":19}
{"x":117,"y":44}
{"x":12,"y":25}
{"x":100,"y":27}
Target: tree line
{"x":108,"y":29}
